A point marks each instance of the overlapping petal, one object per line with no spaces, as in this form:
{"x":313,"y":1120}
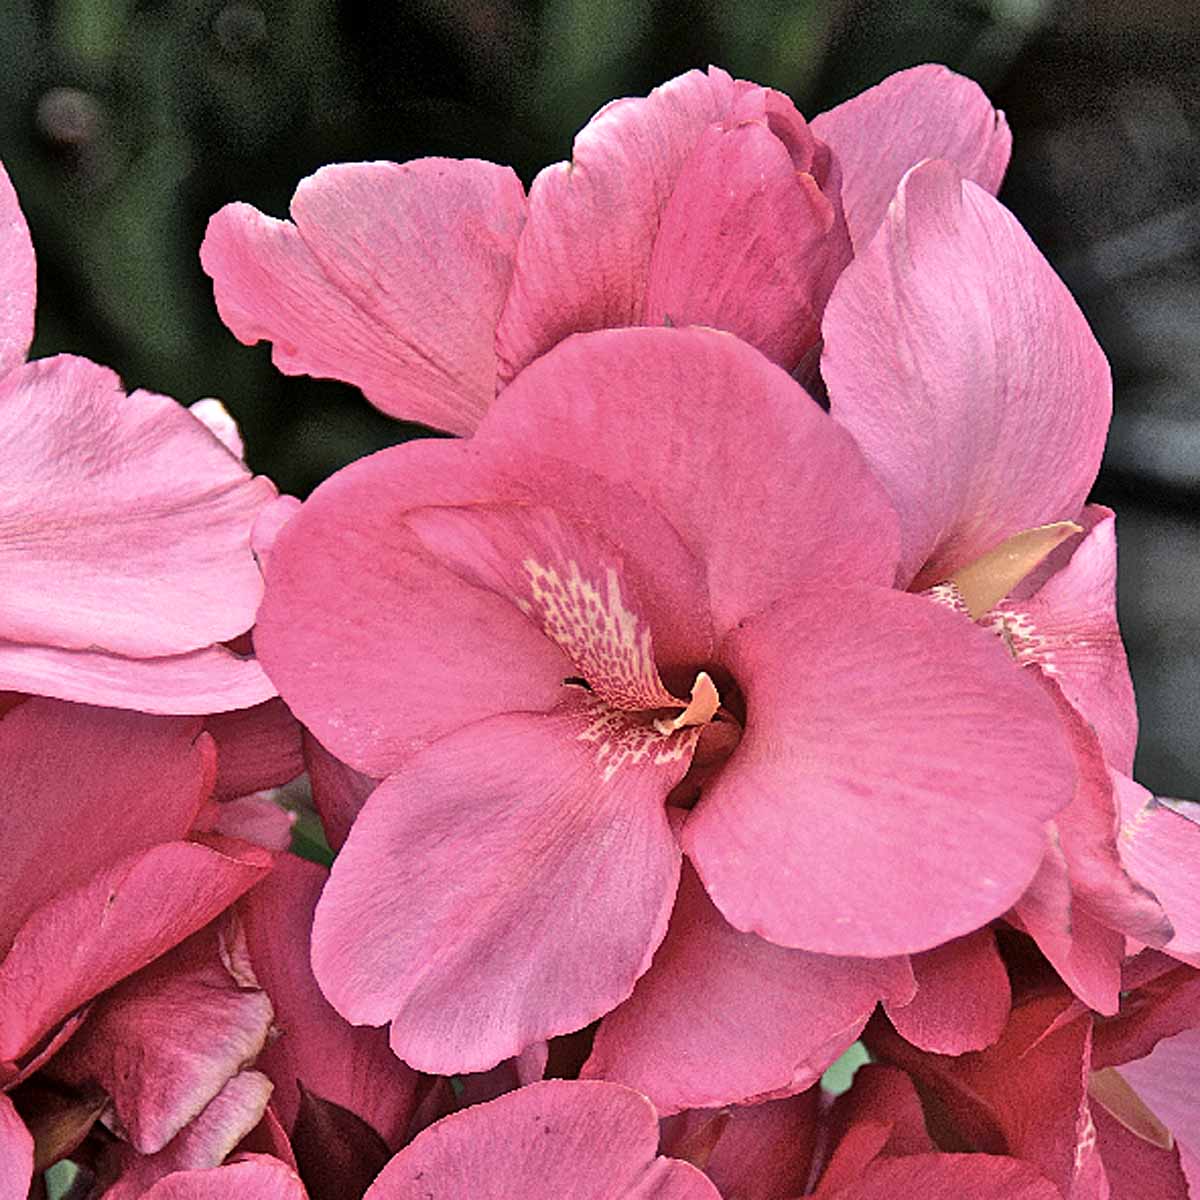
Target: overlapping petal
{"x":966,"y":373}
{"x":16,"y":1151}
{"x":391,"y":278}
{"x":891,"y":785}
{"x":18,"y":279}
{"x":257,"y":1175}
{"x":948,"y":1177}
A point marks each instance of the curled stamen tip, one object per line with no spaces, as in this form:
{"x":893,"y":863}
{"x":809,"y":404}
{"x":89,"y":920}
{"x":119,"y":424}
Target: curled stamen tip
{"x":702,"y":708}
{"x":986,"y":581}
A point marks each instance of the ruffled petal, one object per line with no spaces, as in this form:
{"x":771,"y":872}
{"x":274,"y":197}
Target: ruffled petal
{"x":890,"y":789}
{"x":126,"y":524}
{"x":18,"y":281}
{"x":723,"y":1017}
{"x":550,"y":831}
{"x":573,"y":1140}
{"x":924,"y":112}
{"x":966,"y":373}
{"x":391,"y":278}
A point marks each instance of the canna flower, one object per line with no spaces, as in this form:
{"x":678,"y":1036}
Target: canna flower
{"x":124,"y":528}
{"x":431,"y":284}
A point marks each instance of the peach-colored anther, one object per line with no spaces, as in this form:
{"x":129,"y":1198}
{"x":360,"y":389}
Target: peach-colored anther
{"x":703,"y":707}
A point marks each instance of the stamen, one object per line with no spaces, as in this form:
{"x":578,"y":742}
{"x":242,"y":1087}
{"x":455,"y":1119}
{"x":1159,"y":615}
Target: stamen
{"x":987,"y":580}
{"x":703,"y":707}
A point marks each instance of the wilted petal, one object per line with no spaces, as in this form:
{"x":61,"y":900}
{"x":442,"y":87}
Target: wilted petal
{"x":924,"y":112}
{"x":18,"y":281}
{"x":891,"y":785}
{"x":350,"y":1067}
{"x":550,"y":831}
{"x":948,"y":1177}
{"x":723,"y":1017}
{"x":164,"y":1042}
{"x":257,"y":1175}
{"x":205,"y":681}
{"x":391,"y":278}
{"x":966,"y":373}
{"x":721,"y":433}
{"x":567,"y":1139}
{"x":16,"y":1142}
{"x":126,"y":523}
{"x":84,"y":940}
{"x":962,"y":1000}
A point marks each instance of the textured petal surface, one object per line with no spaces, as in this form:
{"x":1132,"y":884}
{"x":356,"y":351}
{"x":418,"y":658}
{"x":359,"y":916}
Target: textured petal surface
{"x":1166,"y":1081}
{"x":257,"y":748}
{"x":391,"y":278}
{"x":18,"y":280}
{"x":124,"y":524}
{"x":583,"y":260}
{"x":723,"y":1017}
{"x":962,"y":1000}
{"x":1134,"y":1167}
{"x":164,"y":1042}
{"x":375,"y":646}
{"x":258,"y":1175}
{"x":84,"y":940}
{"x":891,"y":785}
{"x":948,"y":1177}
{"x":966,"y":372}
{"x":924,"y":112}
{"x":205,"y":681}
{"x":549,"y":830}
{"x":559,"y":1140}
{"x":102,"y":783}
{"x":351,"y":1067}
{"x":16,"y":1151}
{"x":1069,"y":629}
{"x":761,"y":485}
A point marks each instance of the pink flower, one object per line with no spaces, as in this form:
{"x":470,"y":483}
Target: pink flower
{"x":432,"y":284}
{"x":509,"y":630}
{"x":126,"y":529}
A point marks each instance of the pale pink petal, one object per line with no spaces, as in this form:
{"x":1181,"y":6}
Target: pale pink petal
{"x":257,"y":748}
{"x":258,"y":818}
{"x":127,"y":524}
{"x":204,"y":1143}
{"x":748,"y":243}
{"x":723,"y":1017}
{"x":211,"y":680}
{"x":391,"y":278}
{"x":376,"y":647}
{"x":84,"y":940}
{"x":257,"y":1176}
{"x":948,"y":1177}
{"x":1135,"y":1168}
{"x":218,"y":420}
{"x":962,"y":1000}
{"x":338,"y":791}
{"x":583,"y":259}
{"x":164,"y":1042}
{"x":762,"y":1151}
{"x":1166,"y":1080}
{"x":270,"y":520}
{"x":351,"y":1067}
{"x":890,"y":789}
{"x":83,"y":788}
{"x":1069,"y":629}
{"x":924,"y":112}
{"x":567,"y":1139}
{"x":1161,"y":850}
{"x":18,"y":279}
{"x":550,"y":831}
{"x":16,"y":1142}
{"x":966,"y":372}
{"x":720,"y":432}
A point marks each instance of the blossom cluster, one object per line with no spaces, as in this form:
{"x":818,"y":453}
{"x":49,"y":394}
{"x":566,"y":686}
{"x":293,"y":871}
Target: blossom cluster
{"x":740,"y":689}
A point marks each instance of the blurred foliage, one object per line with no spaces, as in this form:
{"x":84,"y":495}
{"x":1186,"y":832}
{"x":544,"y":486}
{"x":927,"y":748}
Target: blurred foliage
{"x":126,"y":124}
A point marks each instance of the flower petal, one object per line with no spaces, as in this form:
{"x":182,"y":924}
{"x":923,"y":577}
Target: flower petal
{"x":550,"y":830}
{"x":338,"y":791}
{"x":18,"y":281}
{"x":1135,"y":1167}
{"x":257,"y":748}
{"x":391,"y":278}
{"x":353,"y":1068}
{"x":573,"y":1140}
{"x":761,"y":485}
{"x":723,"y":1017}
{"x":891,"y":785}
{"x":1165,"y":1080}
{"x":966,"y":372}
{"x":257,"y":1175}
{"x":948,"y":1177}
{"x":16,"y":1149}
{"x":924,"y":112}
{"x":127,"y":524}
